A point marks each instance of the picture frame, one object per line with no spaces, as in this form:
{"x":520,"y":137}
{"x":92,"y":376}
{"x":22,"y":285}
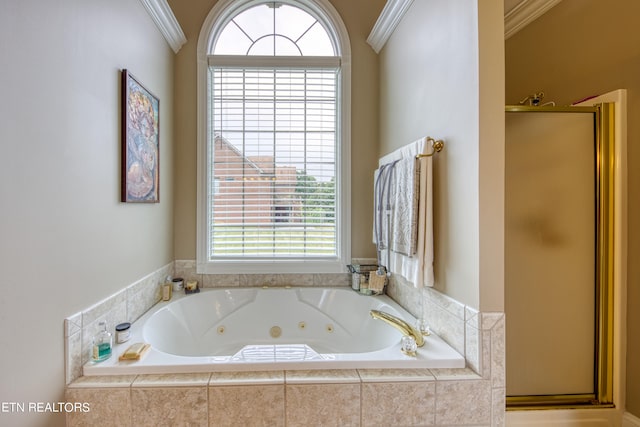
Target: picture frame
{"x":140,"y":142}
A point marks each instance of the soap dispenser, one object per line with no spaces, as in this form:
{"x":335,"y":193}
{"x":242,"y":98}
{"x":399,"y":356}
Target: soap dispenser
{"x":102,"y":344}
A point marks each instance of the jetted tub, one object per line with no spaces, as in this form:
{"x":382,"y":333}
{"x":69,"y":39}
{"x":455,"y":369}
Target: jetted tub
{"x":272,"y":329}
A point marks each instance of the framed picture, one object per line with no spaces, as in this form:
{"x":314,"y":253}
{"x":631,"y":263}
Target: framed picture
{"x":140,"y":181}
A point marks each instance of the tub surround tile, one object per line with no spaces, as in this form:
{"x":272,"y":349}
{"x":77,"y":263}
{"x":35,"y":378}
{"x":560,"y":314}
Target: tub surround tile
{"x":457,"y":374}
{"x":231,"y":406}
{"x":498,"y":402}
{"x":125,"y":305}
{"x":247,"y":378}
{"x":101,"y":309}
{"x":107,"y":407}
{"x":169,"y":406}
{"x":449,"y":304}
{"x":112,"y":311}
{"x":73,"y":356}
{"x":172,"y":380}
{"x":473,"y":345}
{"x":446,"y":325}
{"x":452,"y":397}
{"x":106,"y":381}
{"x":145,"y":293}
{"x":497,"y":353}
{"x":140,"y":303}
{"x":157,"y":277}
{"x":295,"y":280}
{"x":73,"y":324}
{"x":327,"y":376}
{"x":471,"y":317}
{"x":322,"y":404}
{"x":398,"y":404}
{"x":220,"y":280}
{"x":186,"y":269}
{"x":463,"y":402}
{"x":407,"y":295}
{"x":332,"y":279}
{"x":257,"y":280}
{"x":485,"y":341}
{"x":395,"y":375}
{"x":489,"y":320}
{"x":461,"y":326}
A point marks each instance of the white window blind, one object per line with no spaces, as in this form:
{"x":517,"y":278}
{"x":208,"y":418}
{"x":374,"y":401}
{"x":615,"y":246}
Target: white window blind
{"x":272,"y":163}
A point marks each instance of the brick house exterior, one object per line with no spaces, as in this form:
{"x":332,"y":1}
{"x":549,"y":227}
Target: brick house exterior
{"x":252,"y":189}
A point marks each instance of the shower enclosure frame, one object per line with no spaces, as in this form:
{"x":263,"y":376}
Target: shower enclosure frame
{"x":605,"y":158}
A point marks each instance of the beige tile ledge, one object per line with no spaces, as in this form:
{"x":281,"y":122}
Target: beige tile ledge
{"x":247,"y":378}
{"x":457,"y":374}
{"x":395,"y":375}
{"x":106,"y":381}
{"x":172,"y":380}
{"x":333,"y":376}
{"x":330,"y":376}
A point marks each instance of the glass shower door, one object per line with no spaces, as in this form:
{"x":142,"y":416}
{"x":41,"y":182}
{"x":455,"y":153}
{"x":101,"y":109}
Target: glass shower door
{"x":552,"y":195}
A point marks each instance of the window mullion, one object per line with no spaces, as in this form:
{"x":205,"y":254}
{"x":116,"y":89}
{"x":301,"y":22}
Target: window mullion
{"x":275,"y":160}
{"x":274,"y":29}
{"x":305,"y":118}
{"x":242,"y":164}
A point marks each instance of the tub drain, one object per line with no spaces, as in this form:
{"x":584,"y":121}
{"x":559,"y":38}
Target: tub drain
{"x":275,"y":331}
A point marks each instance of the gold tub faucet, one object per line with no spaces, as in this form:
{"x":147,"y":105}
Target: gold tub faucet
{"x":399,"y":324}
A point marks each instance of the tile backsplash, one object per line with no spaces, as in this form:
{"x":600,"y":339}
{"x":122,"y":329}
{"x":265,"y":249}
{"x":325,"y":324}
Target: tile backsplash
{"x":187,"y":270}
{"x":127,"y":305}
{"x":479,"y":336}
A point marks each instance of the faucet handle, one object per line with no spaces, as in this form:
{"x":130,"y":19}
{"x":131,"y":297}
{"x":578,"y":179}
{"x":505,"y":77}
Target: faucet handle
{"x":422,"y":326}
{"x":408,"y":346}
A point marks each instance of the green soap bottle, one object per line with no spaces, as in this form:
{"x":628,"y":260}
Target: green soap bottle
{"x":102,"y":343}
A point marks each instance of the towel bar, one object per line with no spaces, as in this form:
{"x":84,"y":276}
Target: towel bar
{"x":437,"y":145}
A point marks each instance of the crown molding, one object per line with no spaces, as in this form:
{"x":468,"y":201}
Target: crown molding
{"x":629,"y":420}
{"x":391,"y":15}
{"x":525,"y":13}
{"x":166,"y":21}
{"x":515,"y":20}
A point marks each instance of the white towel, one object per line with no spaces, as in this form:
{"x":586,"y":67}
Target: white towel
{"x":397,"y":186}
{"x":417,"y":268}
{"x":404,"y":192}
{"x":382,"y":206}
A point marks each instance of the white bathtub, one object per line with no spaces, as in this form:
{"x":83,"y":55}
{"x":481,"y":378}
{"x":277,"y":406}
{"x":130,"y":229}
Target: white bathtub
{"x":272,"y":329}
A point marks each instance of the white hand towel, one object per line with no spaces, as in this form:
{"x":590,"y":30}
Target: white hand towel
{"x":404,"y":194}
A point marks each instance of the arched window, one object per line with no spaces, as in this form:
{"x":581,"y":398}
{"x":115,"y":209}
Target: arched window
{"x":274,"y":29}
{"x":273,"y":157}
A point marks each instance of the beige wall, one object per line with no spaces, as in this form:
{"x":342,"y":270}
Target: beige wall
{"x":66,"y":240}
{"x":359,"y":17}
{"x":440,"y":74}
{"x":578,"y":49}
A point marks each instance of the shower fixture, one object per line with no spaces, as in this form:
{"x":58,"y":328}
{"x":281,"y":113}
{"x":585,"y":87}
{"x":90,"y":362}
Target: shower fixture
{"x":535,"y":100}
